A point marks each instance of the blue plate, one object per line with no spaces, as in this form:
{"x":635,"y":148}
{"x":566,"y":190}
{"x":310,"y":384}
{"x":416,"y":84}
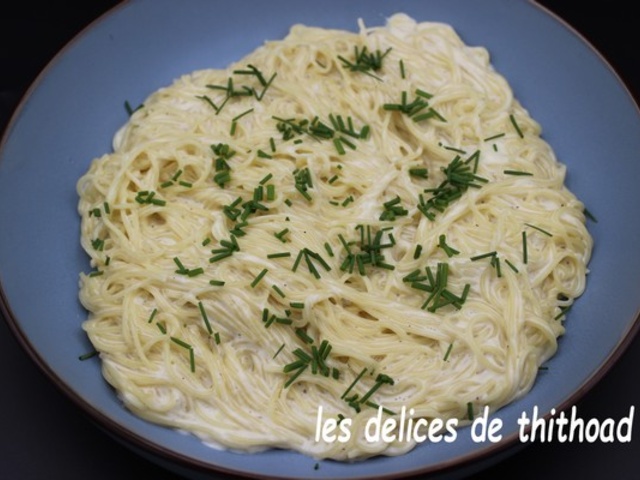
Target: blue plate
{"x":70,"y":115}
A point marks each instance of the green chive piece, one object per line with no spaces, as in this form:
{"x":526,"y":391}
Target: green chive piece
{"x":279,"y":255}
{"x":539,"y":229}
{"x":238,"y":117}
{"x":281,"y":234}
{"x":328,"y":248}
{"x":494,"y":137}
{"x":153,"y":315}
{"x":259,"y":277}
{"x":203,"y":313}
{"x":589,"y":215}
{"x":267,"y":177}
{"x":278,"y":290}
{"x":278,"y":351}
{"x":448,"y":352}
{"x":525,"y":254}
{"x":356,"y":380}
{"x":88,"y":355}
{"x":511,"y":265}
{"x":302,"y":334}
{"x":512,"y":118}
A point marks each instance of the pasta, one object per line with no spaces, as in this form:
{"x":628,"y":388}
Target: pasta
{"x":345,"y":220}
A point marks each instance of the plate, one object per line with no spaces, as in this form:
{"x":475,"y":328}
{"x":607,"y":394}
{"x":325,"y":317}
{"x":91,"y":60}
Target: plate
{"x":71,"y":113}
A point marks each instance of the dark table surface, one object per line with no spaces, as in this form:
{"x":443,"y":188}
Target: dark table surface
{"x":43,"y":435}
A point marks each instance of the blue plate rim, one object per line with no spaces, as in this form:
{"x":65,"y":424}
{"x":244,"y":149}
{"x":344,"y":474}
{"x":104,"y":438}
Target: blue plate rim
{"x":161,"y":453}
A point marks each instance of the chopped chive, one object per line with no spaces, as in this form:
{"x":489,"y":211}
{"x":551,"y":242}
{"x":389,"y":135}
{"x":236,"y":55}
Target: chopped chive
{"x":238,"y":117}
{"x":259,"y":277}
{"x":402,"y":72}
{"x":483,"y":255}
{"x":515,"y":125}
{"x":589,"y":215}
{"x":267,"y":177}
{"x":130,"y":110}
{"x":203,"y":313}
{"x":296,"y":375}
{"x":280,"y":235}
{"x":348,"y":200}
{"x":161,"y":327}
{"x":333,"y":179}
{"x":96,"y":273}
{"x":525,"y":255}
{"x":206,"y":242}
{"x":327,"y":247}
{"x":563,"y":312}
{"x":423,"y":94}
{"x":470,"y":411}
{"x":349,"y":144}
{"x":209,"y":101}
{"x":448,"y":352}
{"x":297,"y":261}
{"x":419,"y":172}
{"x":216,"y":283}
{"x":417,"y":252}
{"x":271,"y":192}
{"x":278,"y":351}
{"x":188,"y":347}
{"x":279,"y":255}
{"x":88,"y":355}
{"x":180,"y":342}
{"x":517,"y":172}
{"x":356,"y":380}
{"x":539,"y":229}
{"x":337,"y":142}
{"x":494,"y":137}
{"x":302,"y":334}
{"x":181,"y":267}
{"x":263,"y":154}
{"x":153,"y":315}
{"x":278,"y":290}
{"x":220,"y":256}
{"x":511,"y":265}
{"x":299,"y":305}
{"x":216,"y":338}
{"x":107,"y":209}
{"x":442,"y":243}
{"x":195,"y":272}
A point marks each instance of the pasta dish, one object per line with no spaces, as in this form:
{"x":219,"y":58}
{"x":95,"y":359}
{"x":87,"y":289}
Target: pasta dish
{"x":364,"y":222}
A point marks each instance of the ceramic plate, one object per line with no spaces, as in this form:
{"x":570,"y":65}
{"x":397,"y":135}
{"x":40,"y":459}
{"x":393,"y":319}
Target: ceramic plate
{"x":70,"y":114}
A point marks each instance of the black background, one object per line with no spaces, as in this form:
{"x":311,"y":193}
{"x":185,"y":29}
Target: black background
{"x":43,"y":434}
